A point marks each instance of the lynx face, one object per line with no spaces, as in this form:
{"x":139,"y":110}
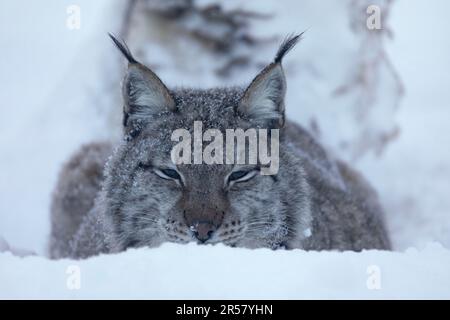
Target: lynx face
{"x":151,"y":200}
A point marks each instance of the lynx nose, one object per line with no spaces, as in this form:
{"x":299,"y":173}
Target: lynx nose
{"x":203,"y":230}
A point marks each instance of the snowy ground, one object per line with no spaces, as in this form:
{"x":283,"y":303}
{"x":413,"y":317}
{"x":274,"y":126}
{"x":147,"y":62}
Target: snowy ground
{"x":173,"y":272}
{"x":43,"y":69}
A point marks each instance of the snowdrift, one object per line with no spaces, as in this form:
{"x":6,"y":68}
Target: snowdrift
{"x":219,"y":272}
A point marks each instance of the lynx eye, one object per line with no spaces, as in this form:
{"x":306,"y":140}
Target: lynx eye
{"x":168,"y":174}
{"x":241,"y":175}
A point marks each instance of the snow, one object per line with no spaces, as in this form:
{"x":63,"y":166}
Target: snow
{"x":413,"y":174}
{"x":182,"y":272}
{"x":48,"y":72}
{"x":50,"y":81}
{"x":19,"y":252}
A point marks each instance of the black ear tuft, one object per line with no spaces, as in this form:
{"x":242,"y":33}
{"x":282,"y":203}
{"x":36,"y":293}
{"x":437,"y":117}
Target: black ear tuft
{"x":122,"y":46}
{"x":286,"y":46}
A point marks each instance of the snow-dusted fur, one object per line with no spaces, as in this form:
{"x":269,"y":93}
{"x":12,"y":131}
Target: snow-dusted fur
{"x":314,"y":202}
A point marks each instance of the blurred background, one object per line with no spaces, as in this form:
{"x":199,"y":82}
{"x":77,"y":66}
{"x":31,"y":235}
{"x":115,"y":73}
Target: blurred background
{"x":378,"y":98}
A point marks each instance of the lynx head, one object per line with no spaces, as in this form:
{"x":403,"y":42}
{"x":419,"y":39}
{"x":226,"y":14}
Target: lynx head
{"x":149,"y":199}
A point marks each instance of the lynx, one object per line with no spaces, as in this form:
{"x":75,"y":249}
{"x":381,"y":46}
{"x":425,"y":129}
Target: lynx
{"x":110,"y":198}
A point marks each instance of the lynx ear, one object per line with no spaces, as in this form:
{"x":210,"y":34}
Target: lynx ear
{"x":143,"y":92}
{"x":263,"y":100}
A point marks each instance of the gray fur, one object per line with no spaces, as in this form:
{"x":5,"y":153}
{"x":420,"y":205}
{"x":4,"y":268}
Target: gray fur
{"x":315,"y":202}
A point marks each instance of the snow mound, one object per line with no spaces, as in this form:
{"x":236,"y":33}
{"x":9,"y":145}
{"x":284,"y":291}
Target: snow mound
{"x":219,"y":272}
{"x":5,"y":247}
